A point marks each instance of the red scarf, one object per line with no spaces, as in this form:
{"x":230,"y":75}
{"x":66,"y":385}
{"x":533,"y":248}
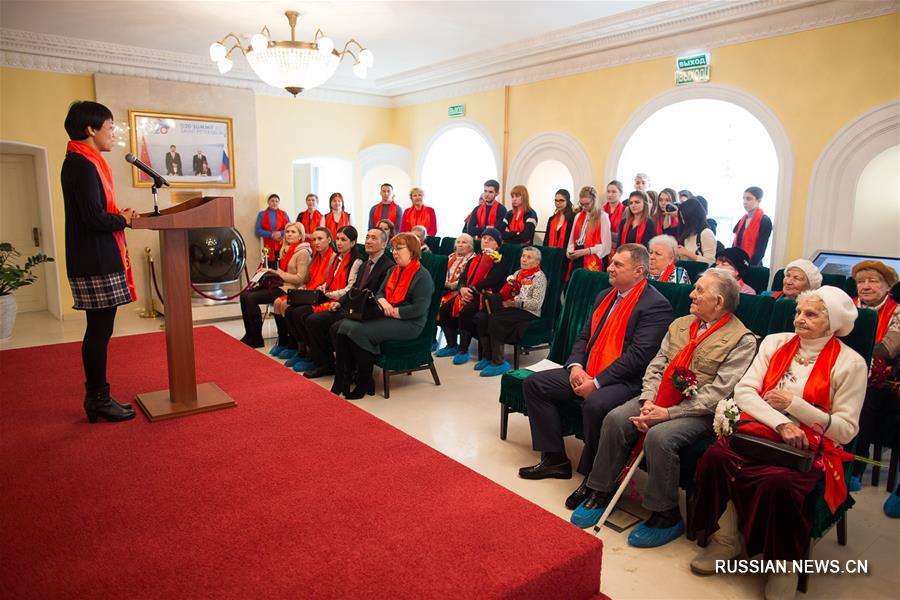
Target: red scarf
{"x":319,"y":269}
{"x":391,"y":213}
{"x":777,"y":295}
{"x":478,"y":269}
{"x":286,"y":256}
{"x":397,"y":285}
{"x":615,"y":216}
{"x":455,"y":264}
{"x":90,"y":153}
{"x":817,"y":391}
{"x":751,"y":232}
{"x":272,"y":246}
{"x":310,"y":221}
{"x":517,"y":222}
{"x":333,"y":225}
{"x":661,"y":220}
{"x":337,"y":279}
{"x":639,"y":236}
{"x":884,"y":316}
{"x":608,"y":344}
{"x":557,"y":231}
{"x":523,"y":277}
{"x":491,"y":220}
{"x":415,"y":217}
{"x":592,"y":238}
{"x":664,"y":276}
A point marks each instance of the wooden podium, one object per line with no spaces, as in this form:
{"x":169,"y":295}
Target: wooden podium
{"x":184,"y":397}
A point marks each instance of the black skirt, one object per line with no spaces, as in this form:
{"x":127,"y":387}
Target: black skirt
{"x":509,"y":325}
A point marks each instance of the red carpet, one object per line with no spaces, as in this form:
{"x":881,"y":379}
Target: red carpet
{"x":294,"y":493}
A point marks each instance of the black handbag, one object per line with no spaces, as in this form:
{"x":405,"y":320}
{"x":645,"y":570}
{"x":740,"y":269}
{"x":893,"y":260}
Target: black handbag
{"x":768,"y":452}
{"x":269,"y":281}
{"x":305,"y":297}
{"x":360,"y":305}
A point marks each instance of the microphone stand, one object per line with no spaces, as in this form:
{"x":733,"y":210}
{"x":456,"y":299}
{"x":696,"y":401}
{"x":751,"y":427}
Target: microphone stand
{"x":155,"y":191}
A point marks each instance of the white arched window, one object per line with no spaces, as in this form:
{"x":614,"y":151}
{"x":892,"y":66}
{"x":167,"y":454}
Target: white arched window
{"x":456,"y":162}
{"x":876,"y":212}
{"x":543,"y":182}
{"x":379,"y":164}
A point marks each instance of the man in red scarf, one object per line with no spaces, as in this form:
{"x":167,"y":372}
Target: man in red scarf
{"x":717,"y":348}
{"x":604,"y":370}
{"x":753,"y":230}
{"x":488,"y":213}
{"x":386,"y":209}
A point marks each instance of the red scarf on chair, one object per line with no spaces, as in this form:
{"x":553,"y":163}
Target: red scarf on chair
{"x":556,"y":233}
{"x":615,"y":216}
{"x":512,"y":288}
{"x":884,"y":316}
{"x":485,"y":220}
{"x":608,"y":344}
{"x":310,"y":221}
{"x":397,"y":285}
{"x":639,"y":236}
{"x":751,"y":232}
{"x":517,"y":221}
{"x":818,"y":392}
{"x":319,"y":269}
{"x":391,"y":213}
{"x":414,"y":217}
{"x":90,"y":153}
{"x":333,"y":225}
{"x":478,"y":269}
{"x":592,"y":238}
{"x":286,"y":256}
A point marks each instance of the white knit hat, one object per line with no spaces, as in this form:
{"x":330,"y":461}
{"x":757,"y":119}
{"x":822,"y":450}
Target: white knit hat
{"x":811,"y":271}
{"x":842,"y":312}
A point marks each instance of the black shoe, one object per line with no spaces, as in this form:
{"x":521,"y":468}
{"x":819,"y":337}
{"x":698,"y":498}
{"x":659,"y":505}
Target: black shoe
{"x":597,"y":499}
{"x":545,"y":470}
{"x":362,"y":389}
{"x":253,"y":342}
{"x":98,"y":405}
{"x":125,"y":405}
{"x":578,"y":496}
{"x":318,"y":372}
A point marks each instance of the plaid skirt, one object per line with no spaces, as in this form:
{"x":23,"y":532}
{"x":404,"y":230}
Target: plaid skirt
{"x":100,"y":291}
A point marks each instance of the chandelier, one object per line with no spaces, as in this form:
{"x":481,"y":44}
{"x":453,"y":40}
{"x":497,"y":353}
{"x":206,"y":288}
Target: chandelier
{"x":292,"y":65}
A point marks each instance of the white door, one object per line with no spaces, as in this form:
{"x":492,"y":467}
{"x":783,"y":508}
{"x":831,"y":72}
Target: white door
{"x":20,"y":223}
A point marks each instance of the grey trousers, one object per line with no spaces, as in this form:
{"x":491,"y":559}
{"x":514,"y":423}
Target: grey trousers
{"x":618,"y":436}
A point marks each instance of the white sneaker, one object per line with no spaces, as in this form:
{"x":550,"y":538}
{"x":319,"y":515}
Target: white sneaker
{"x":781,"y":586}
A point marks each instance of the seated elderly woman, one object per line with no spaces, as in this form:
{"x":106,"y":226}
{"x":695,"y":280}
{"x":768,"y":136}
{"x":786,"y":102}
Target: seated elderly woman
{"x":522,"y":297}
{"x":736,"y":262}
{"x":663,"y":251}
{"x":421,"y":233}
{"x":456,"y":265}
{"x":291,"y":272}
{"x":484,"y":273}
{"x":799,"y":275}
{"x":404,"y":299}
{"x":804,"y":389}
{"x":874,"y":280}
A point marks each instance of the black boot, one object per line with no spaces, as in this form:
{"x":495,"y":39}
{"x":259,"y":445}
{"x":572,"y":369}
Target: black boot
{"x":342,"y":366}
{"x":126,"y":405}
{"x":365,"y":382}
{"x":97,"y":404}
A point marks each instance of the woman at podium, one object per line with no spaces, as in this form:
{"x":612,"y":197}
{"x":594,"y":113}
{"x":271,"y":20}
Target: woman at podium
{"x":97,"y":260}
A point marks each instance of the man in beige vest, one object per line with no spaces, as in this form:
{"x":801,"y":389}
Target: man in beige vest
{"x":718,"y":361}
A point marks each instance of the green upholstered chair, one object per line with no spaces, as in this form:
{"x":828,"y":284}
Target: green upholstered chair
{"x":755,"y":313}
{"x":540,"y":331}
{"x":850,"y":287}
{"x":434,"y":243}
{"x":581,"y":292}
{"x":758,"y":279}
{"x":447,"y":245}
{"x":834,"y":279}
{"x":693,"y":267}
{"x":678,"y":295}
{"x":361,"y":250}
{"x":415,"y":355}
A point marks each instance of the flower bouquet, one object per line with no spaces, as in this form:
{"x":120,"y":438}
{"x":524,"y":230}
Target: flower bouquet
{"x":727,"y":413}
{"x":685,"y":381}
{"x":493,"y":255}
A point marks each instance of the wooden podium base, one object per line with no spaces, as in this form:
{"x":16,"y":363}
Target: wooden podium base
{"x":159,"y":406}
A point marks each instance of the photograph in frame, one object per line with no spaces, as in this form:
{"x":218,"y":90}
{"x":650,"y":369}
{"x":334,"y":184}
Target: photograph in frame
{"x":190,"y":151}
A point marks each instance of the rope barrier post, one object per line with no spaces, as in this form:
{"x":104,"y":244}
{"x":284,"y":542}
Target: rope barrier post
{"x":148,"y":312}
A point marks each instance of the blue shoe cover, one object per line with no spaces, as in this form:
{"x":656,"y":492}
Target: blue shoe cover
{"x":584,"y":517}
{"x":855,"y":484}
{"x":446,"y":351}
{"x":461,"y":358}
{"x":481,"y":364}
{"x":303,"y":365}
{"x":276,"y":350}
{"x":495,"y":370}
{"x":892,"y":506}
{"x":651,"y":537}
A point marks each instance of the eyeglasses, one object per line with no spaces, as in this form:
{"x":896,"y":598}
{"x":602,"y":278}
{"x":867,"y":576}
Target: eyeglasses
{"x":398,"y":248}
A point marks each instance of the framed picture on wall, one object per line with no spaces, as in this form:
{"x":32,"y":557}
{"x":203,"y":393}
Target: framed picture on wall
{"x":190,"y":151}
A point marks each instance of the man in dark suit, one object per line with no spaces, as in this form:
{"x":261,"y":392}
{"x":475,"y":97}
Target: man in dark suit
{"x":322,"y":327}
{"x":199,"y":167}
{"x":173,"y":162}
{"x":614,"y":384}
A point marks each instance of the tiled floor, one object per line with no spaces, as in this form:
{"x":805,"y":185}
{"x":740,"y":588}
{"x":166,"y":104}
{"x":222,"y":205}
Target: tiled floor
{"x":461,"y":419}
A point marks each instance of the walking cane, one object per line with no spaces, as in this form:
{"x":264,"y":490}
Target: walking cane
{"x":612,"y":503}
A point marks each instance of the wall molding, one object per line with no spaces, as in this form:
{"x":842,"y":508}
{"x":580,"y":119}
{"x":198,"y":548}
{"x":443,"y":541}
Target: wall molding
{"x":837,"y":172}
{"x":657,"y":31}
{"x":553,"y":145}
{"x":754,"y":106}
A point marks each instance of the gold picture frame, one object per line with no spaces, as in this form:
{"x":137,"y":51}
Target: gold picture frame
{"x":157,"y":139}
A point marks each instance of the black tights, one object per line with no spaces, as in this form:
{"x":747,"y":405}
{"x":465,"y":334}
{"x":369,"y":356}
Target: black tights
{"x":93,"y":347}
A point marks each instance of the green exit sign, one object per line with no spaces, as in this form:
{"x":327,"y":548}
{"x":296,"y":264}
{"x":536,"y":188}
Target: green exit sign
{"x":457,"y":110}
{"x":692,"y":62}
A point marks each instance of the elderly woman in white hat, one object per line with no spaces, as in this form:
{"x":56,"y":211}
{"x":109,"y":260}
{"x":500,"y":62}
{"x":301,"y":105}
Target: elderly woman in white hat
{"x":802,"y":389}
{"x":799,"y":276}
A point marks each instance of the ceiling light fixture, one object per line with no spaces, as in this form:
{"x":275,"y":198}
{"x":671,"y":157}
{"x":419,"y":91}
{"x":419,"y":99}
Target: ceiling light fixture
{"x":292,"y":65}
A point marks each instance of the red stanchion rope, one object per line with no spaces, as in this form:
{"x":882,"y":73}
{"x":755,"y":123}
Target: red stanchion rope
{"x":199,"y":291}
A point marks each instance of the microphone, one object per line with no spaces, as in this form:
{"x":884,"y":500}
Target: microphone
{"x":158,"y":180}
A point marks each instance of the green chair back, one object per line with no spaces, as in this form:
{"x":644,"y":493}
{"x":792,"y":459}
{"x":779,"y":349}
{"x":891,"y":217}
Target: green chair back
{"x":512,"y":253}
{"x":693,"y":267}
{"x":850,"y":287}
{"x":361,"y":250}
{"x":580,"y":295}
{"x":758,"y":279}
{"x":447,"y":246}
{"x":434,"y":243}
{"x":678,"y":295}
{"x":755,"y":313}
{"x":540,"y":331}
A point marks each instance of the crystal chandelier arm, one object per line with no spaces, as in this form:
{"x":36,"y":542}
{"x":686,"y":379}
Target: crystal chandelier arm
{"x":347,"y":49}
{"x":237,"y":44}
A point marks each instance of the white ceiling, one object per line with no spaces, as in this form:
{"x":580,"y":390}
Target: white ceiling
{"x":404,"y":36}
